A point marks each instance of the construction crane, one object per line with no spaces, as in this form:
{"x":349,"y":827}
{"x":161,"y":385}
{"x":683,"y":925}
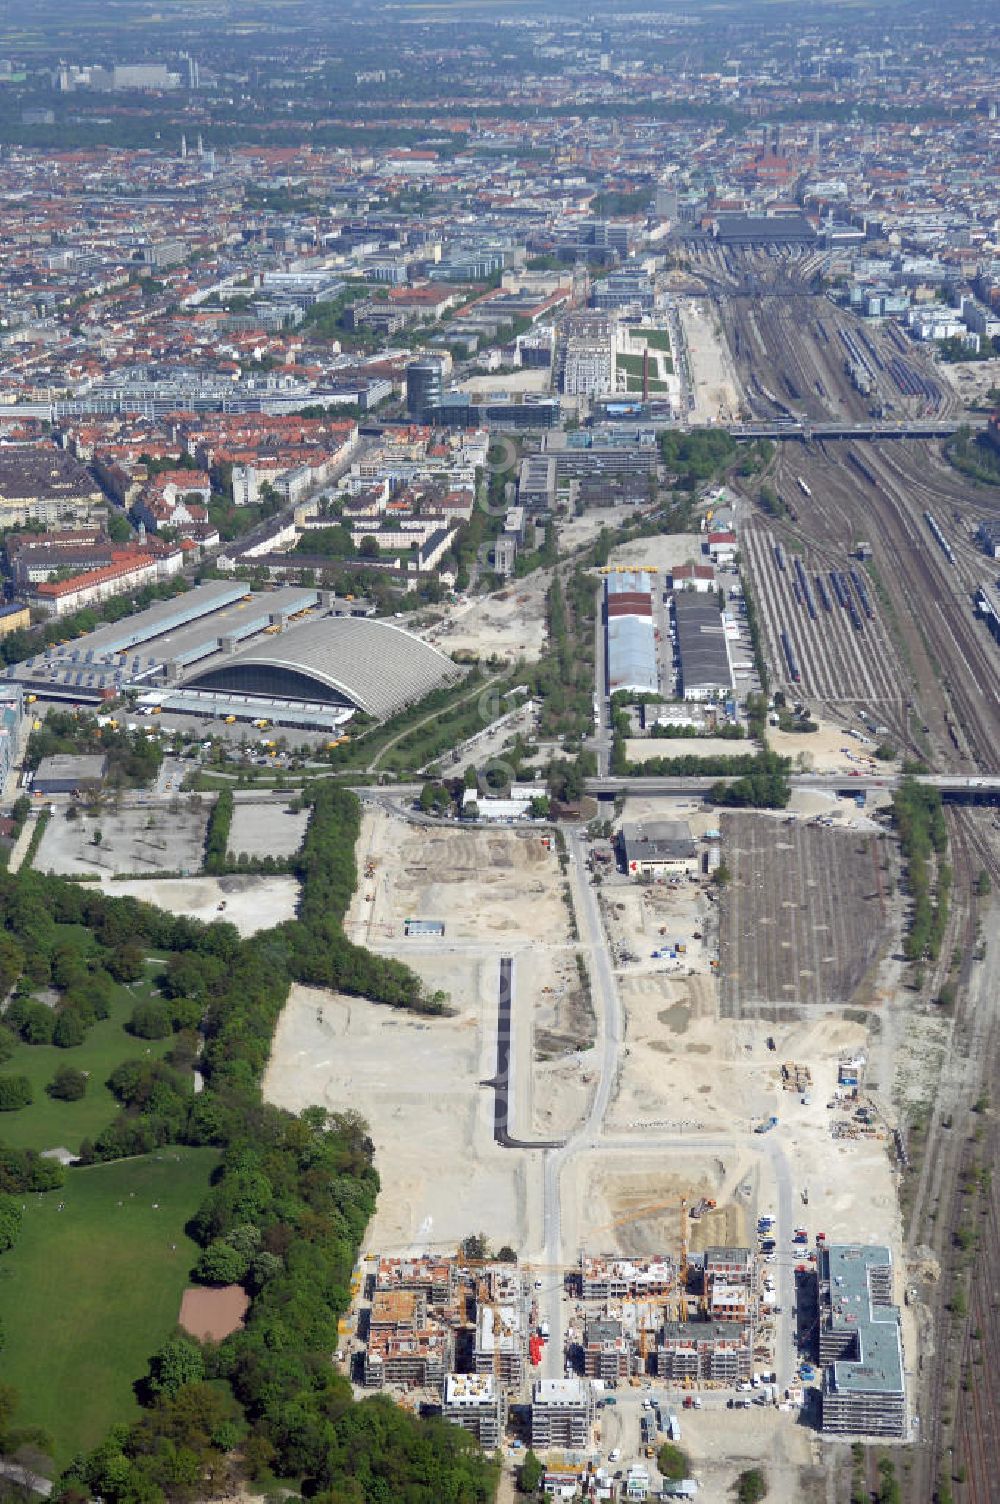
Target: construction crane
{"x":682,"y":1276}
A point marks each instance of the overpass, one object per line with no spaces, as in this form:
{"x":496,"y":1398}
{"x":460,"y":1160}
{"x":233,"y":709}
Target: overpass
{"x":929,"y":428}
{"x":955,"y":788}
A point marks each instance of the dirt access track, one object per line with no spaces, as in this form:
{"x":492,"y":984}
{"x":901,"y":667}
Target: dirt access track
{"x":421,"y":1082}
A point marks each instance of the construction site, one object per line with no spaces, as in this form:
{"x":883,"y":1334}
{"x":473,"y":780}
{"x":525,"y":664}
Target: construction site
{"x":687,"y":1319}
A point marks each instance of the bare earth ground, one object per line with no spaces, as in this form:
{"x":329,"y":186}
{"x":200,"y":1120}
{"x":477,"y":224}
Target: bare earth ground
{"x":131,"y":840}
{"x":510,"y":624}
{"x":663,"y":552}
{"x":266,"y":830}
{"x":639,"y":749}
{"x":716,"y":389}
{"x":210,"y":1314}
{"x":418,"y":1080}
{"x":251,"y":903}
{"x":971,"y":379}
{"x":825,"y":750}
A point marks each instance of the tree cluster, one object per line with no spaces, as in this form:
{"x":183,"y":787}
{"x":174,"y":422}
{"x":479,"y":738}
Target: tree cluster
{"x":918,"y":818}
{"x":133,"y":758}
{"x":284,"y":1217}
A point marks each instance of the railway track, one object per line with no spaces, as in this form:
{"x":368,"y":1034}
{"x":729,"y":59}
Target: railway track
{"x":939,"y":1211}
{"x":965,"y":655}
{"x":954,"y":664}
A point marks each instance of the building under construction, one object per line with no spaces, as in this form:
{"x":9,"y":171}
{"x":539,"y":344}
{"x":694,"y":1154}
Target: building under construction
{"x":500,"y":1329}
{"x":859,"y":1342}
{"x":562,"y":1413}
{"x":727,"y":1285}
{"x":606,"y":1277}
{"x":415,"y":1360}
{"x":431,"y":1315}
{"x":721,"y":1352}
{"x":477,"y":1404}
{"x":607,"y":1350}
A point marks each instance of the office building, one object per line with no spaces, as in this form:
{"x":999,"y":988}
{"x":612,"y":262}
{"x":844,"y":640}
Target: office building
{"x":424,"y":387}
{"x":860,"y":1345}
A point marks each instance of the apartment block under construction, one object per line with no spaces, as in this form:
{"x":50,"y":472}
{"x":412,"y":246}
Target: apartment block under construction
{"x":430,"y":1316}
{"x":604,"y":1277}
{"x":860,"y":1346}
{"x":727,"y":1285}
{"x":711,"y":1338}
{"x":709,"y":1351}
{"x":477,"y":1404}
{"x":607,"y":1350}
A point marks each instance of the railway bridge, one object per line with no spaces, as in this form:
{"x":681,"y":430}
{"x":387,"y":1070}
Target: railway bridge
{"x":954,"y":788}
{"x":928,"y":428}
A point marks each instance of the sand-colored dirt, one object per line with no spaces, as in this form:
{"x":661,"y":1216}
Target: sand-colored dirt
{"x":508,"y":625}
{"x":421,"y":1082}
{"x":716,"y":388}
{"x":416,"y":1080}
{"x":251,"y":903}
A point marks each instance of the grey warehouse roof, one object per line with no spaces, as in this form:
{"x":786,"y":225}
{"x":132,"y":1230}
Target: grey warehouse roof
{"x":701,"y":643}
{"x":366,"y":662}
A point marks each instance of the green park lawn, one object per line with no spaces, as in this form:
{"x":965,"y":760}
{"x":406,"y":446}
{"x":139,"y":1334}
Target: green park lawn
{"x":93,"y":1287}
{"x":656,"y":339}
{"x":49,"y":1124}
{"x":632,"y":364}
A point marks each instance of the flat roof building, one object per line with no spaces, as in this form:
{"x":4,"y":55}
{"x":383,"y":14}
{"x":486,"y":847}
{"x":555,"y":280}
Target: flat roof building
{"x":607,"y":1351}
{"x":705,"y":670}
{"x":860,"y":1344}
{"x":562,"y":1413}
{"x":658,"y":846}
{"x":718,"y":1350}
{"x":474,"y":1402}
{"x":64,"y":773}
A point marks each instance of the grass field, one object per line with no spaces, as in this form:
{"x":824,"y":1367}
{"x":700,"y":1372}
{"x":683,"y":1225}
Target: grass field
{"x":632,"y":364}
{"x":89,"y":1292}
{"x":49,"y":1124}
{"x":634,"y":384}
{"x":656,"y":339}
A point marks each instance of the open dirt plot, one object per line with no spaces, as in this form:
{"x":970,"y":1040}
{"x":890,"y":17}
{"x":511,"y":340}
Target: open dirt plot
{"x":488,"y":886}
{"x":267,"y":830}
{"x":421,"y":1082}
{"x":416,"y":1080}
{"x":639,"y":748}
{"x":127,"y":840}
{"x":210,"y":1314}
{"x":251,"y":903}
{"x":662,"y":552}
{"x":804,"y":915}
{"x":509,"y":625}
{"x":714,"y":383}
{"x":828,"y":750}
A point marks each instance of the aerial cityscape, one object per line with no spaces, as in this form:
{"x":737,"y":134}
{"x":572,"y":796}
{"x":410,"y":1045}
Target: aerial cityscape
{"x":499,"y":752}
